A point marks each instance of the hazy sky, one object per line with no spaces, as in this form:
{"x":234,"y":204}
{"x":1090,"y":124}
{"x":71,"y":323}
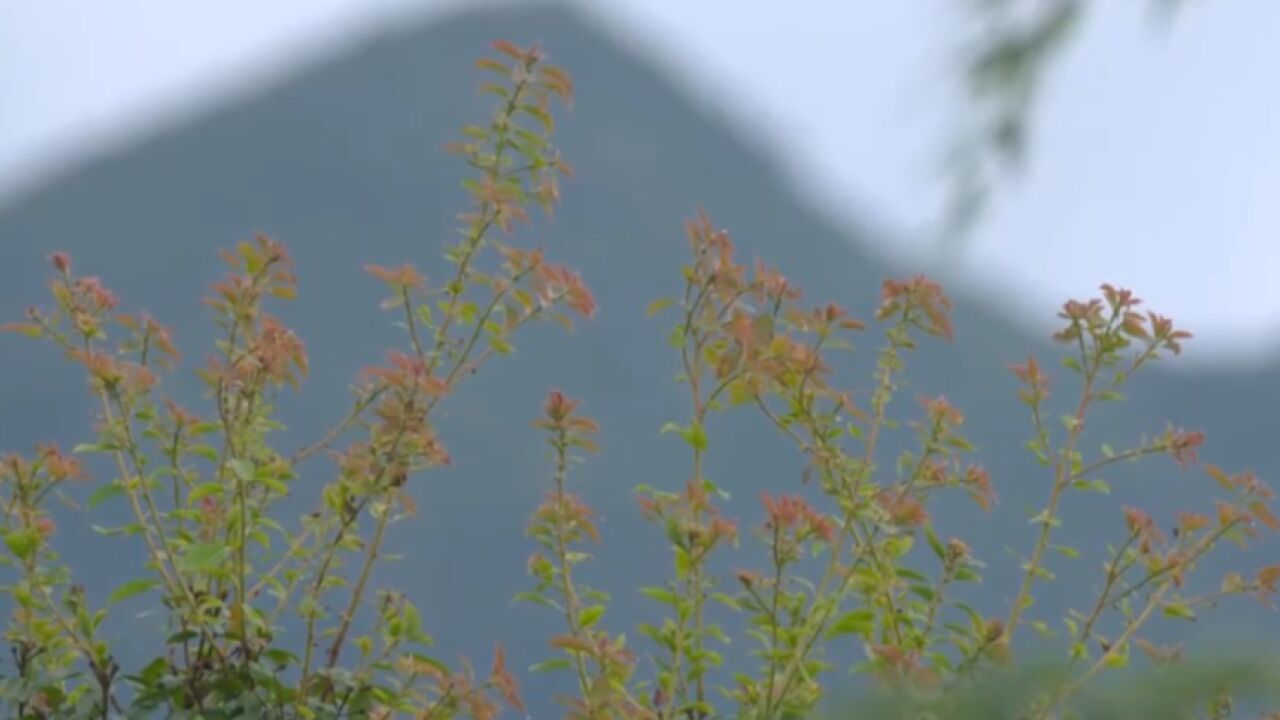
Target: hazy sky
{"x":1154,"y":166}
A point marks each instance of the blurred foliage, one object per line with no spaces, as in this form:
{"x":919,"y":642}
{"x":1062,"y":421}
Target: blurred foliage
{"x":1233,"y":686}
{"x":1006,"y":54}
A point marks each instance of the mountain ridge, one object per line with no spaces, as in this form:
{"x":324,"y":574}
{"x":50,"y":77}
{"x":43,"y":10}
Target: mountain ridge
{"x":404,"y":23}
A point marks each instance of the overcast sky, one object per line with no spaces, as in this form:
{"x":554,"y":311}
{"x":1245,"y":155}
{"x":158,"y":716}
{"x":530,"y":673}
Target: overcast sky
{"x":1155,"y":163}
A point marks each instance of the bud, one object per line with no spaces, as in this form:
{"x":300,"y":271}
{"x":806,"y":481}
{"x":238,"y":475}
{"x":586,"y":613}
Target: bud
{"x":558,"y":406}
{"x":44,"y":526}
{"x":995,"y":629}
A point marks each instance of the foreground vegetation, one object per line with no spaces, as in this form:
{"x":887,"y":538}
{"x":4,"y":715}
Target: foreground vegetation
{"x":276,"y":617}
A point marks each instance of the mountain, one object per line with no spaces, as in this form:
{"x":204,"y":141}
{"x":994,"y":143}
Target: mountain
{"x":343,"y":163}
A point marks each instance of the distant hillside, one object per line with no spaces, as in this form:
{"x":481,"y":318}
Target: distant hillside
{"x":344,"y":164}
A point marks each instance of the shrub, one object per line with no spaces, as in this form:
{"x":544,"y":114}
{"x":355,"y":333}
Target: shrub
{"x":850,"y":555}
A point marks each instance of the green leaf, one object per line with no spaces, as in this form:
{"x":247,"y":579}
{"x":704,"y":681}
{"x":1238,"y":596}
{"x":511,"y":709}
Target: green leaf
{"x":1042,"y":628}
{"x":1039,"y":571}
{"x":131,"y":588}
{"x":241,"y":468}
{"x":590,"y":616}
{"x":104,"y":493}
{"x":208,"y":452}
{"x":1044,"y":518}
{"x":425,"y":316}
{"x":1092,"y":486}
{"x":252,"y":260}
{"x":203,"y":557}
{"x":203,"y":428}
{"x":108,"y":531}
{"x":1182,"y":611}
{"x":549,"y":665}
{"x":204,"y":490}
{"x":662,"y":595}
{"x":711,"y":487}
{"x":861,"y":622}
{"x":898,"y":547}
{"x":536,"y":599}
{"x":676,"y":338}
{"x":273,"y":485}
{"x":467,"y":312}
{"x":22,"y":543}
{"x":280,"y":657}
{"x":682,"y":562}
{"x":28,"y":329}
{"x":1067,"y":551}
{"x":542,"y":116}
{"x":727,"y":600}
{"x":500,"y":345}
{"x":908,"y":573}
{"x":695,"y":435}
{"x":428,"y":660}
{"x":365,"y":645}
{"x":264,"y":540}
{"x":657,"y":306}
{"x":935,"y":544}
{"x":1120,"y":658}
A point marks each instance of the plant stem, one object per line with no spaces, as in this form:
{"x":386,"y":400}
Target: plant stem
{"x":1063,"y":477}
{"x":357,"y":593}
{"x":566,"y":569}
